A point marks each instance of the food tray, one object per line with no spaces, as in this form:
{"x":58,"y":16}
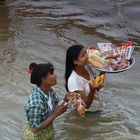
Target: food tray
{"x":132,"y":61}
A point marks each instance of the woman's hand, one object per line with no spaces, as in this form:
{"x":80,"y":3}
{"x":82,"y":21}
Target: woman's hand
{"x":95,"y":85}
{"x":60,"y":108}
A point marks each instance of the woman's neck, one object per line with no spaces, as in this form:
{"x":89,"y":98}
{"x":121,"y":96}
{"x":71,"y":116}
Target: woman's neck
{"x":82,"y":71}
{"x":45,"y":89}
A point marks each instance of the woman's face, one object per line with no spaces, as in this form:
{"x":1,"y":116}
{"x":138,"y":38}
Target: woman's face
{"x":82,"y":59}
{"x":50,"y":79}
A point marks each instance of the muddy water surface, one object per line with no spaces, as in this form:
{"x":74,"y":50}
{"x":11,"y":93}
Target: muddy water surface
{"x":41,"y":31}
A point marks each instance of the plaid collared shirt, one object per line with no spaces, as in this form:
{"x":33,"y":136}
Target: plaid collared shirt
{"x":37,"y":108}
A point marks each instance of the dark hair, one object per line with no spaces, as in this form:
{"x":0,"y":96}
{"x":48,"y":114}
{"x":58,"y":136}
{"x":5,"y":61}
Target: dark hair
{"x":71,"y":55}
{"x":40,"y":71}
{"x":32,"y":66}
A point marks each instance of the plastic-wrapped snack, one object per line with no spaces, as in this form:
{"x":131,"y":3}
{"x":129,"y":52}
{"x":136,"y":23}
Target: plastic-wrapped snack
{"x":104,"y":47}
{"x":97,"y":61}
{"x":127,"y":50}
{"x":80,"y":107}
{"x":72,"y":95}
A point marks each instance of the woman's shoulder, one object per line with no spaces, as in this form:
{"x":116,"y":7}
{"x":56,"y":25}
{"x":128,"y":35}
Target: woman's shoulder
{"x":75,"y":82}
{"x":35,"y":96}
{"x":73,"y":77}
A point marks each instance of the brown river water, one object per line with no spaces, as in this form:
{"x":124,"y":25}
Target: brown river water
{"x":41,"y":31}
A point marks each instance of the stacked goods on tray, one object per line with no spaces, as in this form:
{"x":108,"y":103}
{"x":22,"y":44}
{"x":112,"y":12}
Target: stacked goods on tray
{"x":109,"y":58}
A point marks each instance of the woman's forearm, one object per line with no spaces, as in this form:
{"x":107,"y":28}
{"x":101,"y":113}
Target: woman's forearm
{"x":89,"y":98}
{"x":45,"y":123}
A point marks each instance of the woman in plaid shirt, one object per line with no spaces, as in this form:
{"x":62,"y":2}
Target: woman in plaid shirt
{"x":42,"y":106}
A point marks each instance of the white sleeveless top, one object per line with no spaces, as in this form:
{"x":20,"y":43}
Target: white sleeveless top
{"x":78,"y":83}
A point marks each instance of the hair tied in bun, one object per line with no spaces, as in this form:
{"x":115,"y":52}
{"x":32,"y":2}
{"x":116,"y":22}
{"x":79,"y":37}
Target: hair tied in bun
{"x":31,"y":67}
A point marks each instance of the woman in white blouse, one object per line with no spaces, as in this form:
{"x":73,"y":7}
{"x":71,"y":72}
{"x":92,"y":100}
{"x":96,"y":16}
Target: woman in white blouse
{"x":77,"y":75}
